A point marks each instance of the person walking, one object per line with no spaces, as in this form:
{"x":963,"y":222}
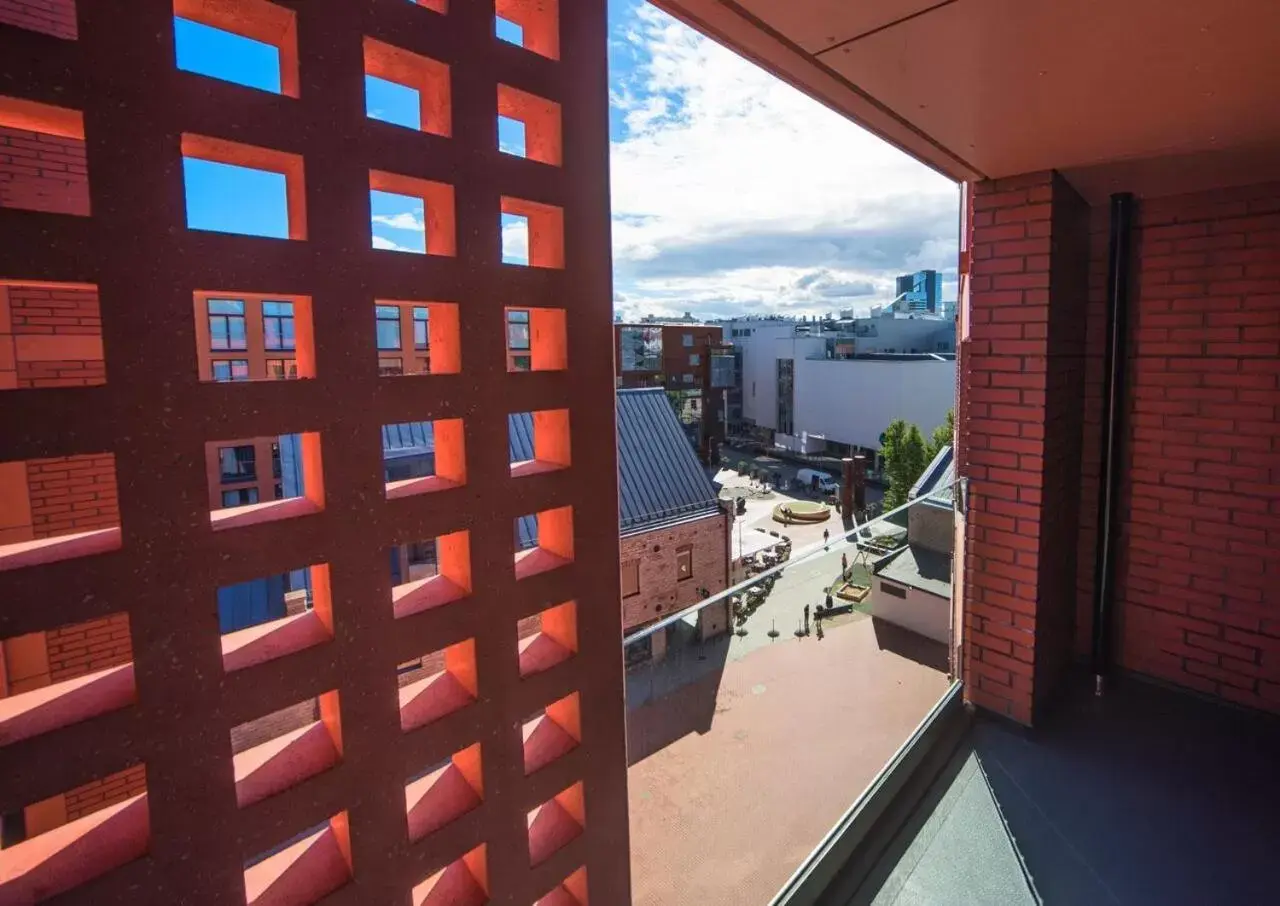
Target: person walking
{"x":826,"y":537}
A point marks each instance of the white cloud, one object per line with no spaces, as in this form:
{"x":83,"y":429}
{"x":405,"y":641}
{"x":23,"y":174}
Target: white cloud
{"x":381,"y":242}
{"x":515,"y":240}
{"x":405,"y":220}
{"x":733,"y":192}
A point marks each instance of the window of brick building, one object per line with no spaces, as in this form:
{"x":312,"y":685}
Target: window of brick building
{"x":226,"y":324}
{"x":277,"y":325}
{"x":694,"y":359}
{"x":421,"y":332}
{"x":239,"y":497}
{"x":684,"y":563}
{"x":518,"y":340}
{"x":630,"y":578}
{"x":388,"y":326}
{"x":687,"y":339}
{"x":389,"y":366}
{"x":282,"y":369}
{"x":231,"y":370}
{"x":237,"y":463}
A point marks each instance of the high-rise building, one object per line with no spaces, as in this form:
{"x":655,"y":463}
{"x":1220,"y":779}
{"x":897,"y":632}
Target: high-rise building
{"x":920,"y":291}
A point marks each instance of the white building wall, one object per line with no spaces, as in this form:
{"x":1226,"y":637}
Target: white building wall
{"x":851,"y":401}
{"x":920,"y":611}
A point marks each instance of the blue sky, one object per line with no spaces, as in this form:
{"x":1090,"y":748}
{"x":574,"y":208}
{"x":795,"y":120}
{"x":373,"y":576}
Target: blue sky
{"x":732,"y":193}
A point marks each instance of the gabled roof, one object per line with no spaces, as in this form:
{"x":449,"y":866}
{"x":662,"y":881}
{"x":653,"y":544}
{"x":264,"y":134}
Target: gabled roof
{"x":659,"y":476}
{"x":660,"y":479}
{"x":407,"y":439}
{"x":939,"y":476}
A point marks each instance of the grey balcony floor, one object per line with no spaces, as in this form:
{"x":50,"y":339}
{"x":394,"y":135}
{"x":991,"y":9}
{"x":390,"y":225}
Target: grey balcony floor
{"x":1144,"y":796}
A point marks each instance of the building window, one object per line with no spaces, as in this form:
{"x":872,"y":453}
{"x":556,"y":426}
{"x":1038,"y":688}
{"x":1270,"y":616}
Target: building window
{"x":226,"y":324}
{"x":277,"y":325}
{"x":240,"y":497}
{"x":282,"y":369}
{"x":231,"y":370}
{"x":630,"y":578}
{"x":694,"y":360}
{"x":389,"y":366}
{"x":684,"y":563}
{"x":420,"y":332}
{"x":388,"y":326}
{"x":422,"y":553}
{"x":687,"y":378}
{"x":893,"y":590}
{"x":279,"y":491}
{"x":687,"y":339}
{"x":276,"y":470}
{"x":517,"y":330}
{"x":237,"y":463}
{"x":518,"y":340}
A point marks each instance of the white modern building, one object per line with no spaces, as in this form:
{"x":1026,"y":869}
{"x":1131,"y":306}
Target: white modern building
{"x":830,"y":385}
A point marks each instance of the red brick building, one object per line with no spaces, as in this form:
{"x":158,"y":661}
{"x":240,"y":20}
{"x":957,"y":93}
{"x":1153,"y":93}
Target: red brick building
{"x":677,"y":357}
{"x":675,"y":540}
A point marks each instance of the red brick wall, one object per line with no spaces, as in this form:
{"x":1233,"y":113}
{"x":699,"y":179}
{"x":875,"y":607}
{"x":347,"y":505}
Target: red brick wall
{"x":1199,"y":576}
{"x":660,"y":592}
{"x":1019,"y":437}
{"x":53,"y":17}
{"x":62,"y":312}
{"x":98,"y":794}
{"x":85,"y":647}
{"x":42,"y":172}
{"x":72,"y":494}
{"x":278,"y":723}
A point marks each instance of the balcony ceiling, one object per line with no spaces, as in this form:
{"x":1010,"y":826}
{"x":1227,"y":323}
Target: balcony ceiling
{"x":988,"y":88}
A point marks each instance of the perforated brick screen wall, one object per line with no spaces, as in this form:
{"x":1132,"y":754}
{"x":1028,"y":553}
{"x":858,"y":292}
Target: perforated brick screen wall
{"x":154,"y":415}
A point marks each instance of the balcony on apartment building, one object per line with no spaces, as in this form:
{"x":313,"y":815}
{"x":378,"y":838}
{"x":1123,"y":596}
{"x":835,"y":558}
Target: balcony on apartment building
{"x":934,"y":736}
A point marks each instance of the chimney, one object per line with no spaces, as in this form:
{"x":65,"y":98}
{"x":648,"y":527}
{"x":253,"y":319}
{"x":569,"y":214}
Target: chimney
{"x":859,"y":482}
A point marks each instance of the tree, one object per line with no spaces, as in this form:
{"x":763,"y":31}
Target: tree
{"x":904,"y":454}
{"x":941,"y":437}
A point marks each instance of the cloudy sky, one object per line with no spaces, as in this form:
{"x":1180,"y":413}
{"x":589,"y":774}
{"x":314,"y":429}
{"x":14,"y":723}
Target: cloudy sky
{"x":733,"y":193}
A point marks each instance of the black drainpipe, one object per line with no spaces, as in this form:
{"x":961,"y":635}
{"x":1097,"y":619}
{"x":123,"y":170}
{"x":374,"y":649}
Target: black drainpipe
{"x":1113,"y":431}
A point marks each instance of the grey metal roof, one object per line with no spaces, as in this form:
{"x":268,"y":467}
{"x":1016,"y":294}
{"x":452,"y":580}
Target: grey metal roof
{"x":659,"y":476}
{"x":918,"y":567}
{"x":939,"y":476}
{"x":407,"y":439}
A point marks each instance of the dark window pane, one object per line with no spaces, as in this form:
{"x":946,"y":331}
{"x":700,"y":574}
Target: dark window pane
{"x":522,"y":363}
{"x":222,"y":371}
{"x":240,"y":497}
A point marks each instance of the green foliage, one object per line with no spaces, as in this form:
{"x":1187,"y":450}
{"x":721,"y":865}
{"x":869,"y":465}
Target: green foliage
{"x":904,"y":459}
{"x":906,"y":454}
{"x":941,"y":436}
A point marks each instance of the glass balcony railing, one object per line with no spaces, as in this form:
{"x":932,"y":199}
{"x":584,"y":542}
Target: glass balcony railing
{"x":758,"y":717}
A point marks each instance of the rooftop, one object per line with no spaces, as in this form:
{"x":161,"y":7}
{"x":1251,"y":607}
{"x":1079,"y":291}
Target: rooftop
{"x":660,"y":479}
{"x":918,"y":567}
{"x":938,"y":479}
